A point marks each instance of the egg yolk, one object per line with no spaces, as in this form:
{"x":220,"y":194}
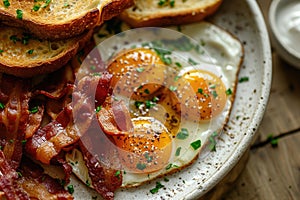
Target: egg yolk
{"x":136,"y":72}
{"x":147,"y":149}
{"x":207,"y":98}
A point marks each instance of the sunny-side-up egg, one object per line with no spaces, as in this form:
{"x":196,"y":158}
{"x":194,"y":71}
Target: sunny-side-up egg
{"x":177,"y":101}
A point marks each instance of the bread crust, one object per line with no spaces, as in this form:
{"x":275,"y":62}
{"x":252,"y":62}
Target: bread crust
{"x":71,"y":28}
{"x":170,"y":18}
{"x":46,"y":66}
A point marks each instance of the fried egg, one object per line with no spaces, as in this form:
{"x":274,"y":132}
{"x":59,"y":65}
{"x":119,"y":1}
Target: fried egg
{"x":178,"y":93}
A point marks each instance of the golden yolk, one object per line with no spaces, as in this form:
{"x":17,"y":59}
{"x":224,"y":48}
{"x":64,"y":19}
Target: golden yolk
{"x":137,"y":73}
{"x":147,"y":149}
{"x":201,"y":95}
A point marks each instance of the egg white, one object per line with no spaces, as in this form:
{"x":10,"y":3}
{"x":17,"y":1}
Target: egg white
{"x":222,"y":55}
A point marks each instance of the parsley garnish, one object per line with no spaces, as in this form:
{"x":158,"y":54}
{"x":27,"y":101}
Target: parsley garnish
{"x":157,"y":187}
{"x":183,"y":134}
{"x":212,"y":141}
{"x":229,"y":91}
{"x":178,"y":151}
{"x":169,"y":166}
{"x":1,"y":51}
{"x":273,"y":140}
{"x":140,"y":69}
{"x":33,"y":110}
{"x":23,"y":142}
{"x":87,"y":183}
{"x":19,"y":174}
{"x":141,"y":166}
{"x":243,"y":79}
{"x":46,"y":3}
{"x":2,"y":106}
{"x":196,"y":145}
{"x":19,"y":14}
{"x":98,"y":109}
{"x":6,"y":3}
{"x":173,"y":88}
{"x":14,"y":38}
{"x":30,"y":51}
{"x":36,"y":7}
{"x":70,"y":189}
{"x":192,"y":62}
{"x":117,"y":174}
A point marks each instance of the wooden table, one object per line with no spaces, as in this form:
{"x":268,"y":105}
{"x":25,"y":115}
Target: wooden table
{"x":273,"y":173}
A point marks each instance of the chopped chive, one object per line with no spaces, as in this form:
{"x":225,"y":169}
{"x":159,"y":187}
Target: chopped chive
{"x":178,"y":150}
{"x":23,"y":142}
{"x":141,"y":166}
{"x":243,"y":79}
{"x":140,"y":69}
{"x":33,"y":110}
{"x":192,"y":62}
{"x":36,"y":7}
{"x":2,"y":106}
{"x":196,"y":145}
{"x":19,"y":174}
{"x":157,"y":187}
{"x":182,"y":134}
{"x":173,"y":88}
{"x":30,"y":51}
{"x":172,"y":3}
{"x":87,"y":183}
{"x":70,"y":189}
{"x":147,"y":91}
{"x":46,"y":3}
{"x":117,"y":174}
{"x":229,"y":92}
{"x":212,"y":141}
{"x":166,"y":179}
{"x":6,"y":3}
{"x":19,"y":14}
{"x":98,"y":109}
{"x":178,"y":64}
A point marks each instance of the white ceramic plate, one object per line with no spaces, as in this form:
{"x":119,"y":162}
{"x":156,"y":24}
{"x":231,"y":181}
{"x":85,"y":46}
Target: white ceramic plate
{"x":244,"y":20}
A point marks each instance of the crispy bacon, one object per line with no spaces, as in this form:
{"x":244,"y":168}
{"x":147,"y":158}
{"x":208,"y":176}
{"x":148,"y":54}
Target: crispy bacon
{"x":8,"y":181}
{"x":102,"y":161}
{"x":71,"y":123}
{"x":114,"y":119}
{"x":14,"y":116}
{"x":45,"y":187}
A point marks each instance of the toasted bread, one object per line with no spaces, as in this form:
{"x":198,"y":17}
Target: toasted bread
{"x":23,"y":55}
{"x":58,"y":19}
{"x":168,"y":12}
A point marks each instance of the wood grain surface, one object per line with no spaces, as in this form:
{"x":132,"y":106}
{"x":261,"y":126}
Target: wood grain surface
{"x":273,"y":172}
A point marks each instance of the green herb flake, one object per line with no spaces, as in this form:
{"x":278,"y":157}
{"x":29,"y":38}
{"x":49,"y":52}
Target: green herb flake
{"x":182,"y":134}
{"x":166,"y":179}
{"x":157,"y":187}
{"x":138,"y":104}
{"x":46,"y":3}
{"x":212,"y":141}
{"x":11,"y":141}
{"x":36,"y":7}
{"x":6,"y":3}
{"x":70,"y":189}
{"x":196,"y":145}
{"x":200,"y":90}
{"x":178,"y":150}
{"x":177,"y":78}
{"x":178,"y":64}
{"x":229,"y":92}
{"x":87,"y":183}
{"x":98,"y":109}
{"x":273,"y":140}
{"x":1,"y":51}
{"x":155,"y":99}
{"x":192,"y":62}
{"x":94,"y":197}
{"x":169,"y":166}
{"x":118,"y":173}
{"x":34,"y":110}
{"x":140,"y":69}
{"x":162,"y":2}
{"x":149,"y":104}
{"x":14,"y":38}
{"x":19,"y":174}
{"x":243,"y":79}
{"x":30,"y":51}
{"x":19,"y":14}
{"x":93,"y":67}
{"x":141,"y":166}
{"x":173,"y":88}
{"x":214,"y":93}
{"x":147,"y":91}
{"x":2,"y":106}
{"x":66,"y":4}
{"x":23,"y":142}
{"x":172,"y":3}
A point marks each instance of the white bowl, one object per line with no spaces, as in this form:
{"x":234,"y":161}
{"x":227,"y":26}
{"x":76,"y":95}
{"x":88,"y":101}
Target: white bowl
{"x":279,"y":11}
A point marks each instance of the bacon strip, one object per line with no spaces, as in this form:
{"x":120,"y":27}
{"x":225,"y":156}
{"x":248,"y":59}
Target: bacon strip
{"x":8,"y":181}
{"x":14,"y":116}
{"x":71,"y":123}
{"x":102,"y":161}
{"x":114,"y":119}
{"x":45,"y":187}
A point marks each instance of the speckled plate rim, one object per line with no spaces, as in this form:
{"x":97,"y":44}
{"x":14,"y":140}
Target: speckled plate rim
{"x":258,"y":114}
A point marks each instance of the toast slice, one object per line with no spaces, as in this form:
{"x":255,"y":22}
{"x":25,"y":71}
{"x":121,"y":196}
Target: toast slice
{"x":23,"y":55}
{"x":57,"y":19}
{"x":168,"y":12}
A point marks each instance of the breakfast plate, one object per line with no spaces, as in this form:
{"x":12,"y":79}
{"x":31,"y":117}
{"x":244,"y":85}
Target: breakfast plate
{"x":243,"y":20}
